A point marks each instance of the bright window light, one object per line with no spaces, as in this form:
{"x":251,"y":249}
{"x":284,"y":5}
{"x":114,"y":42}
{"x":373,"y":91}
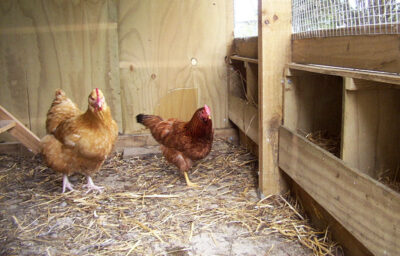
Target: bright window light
{"x":246,"y":18}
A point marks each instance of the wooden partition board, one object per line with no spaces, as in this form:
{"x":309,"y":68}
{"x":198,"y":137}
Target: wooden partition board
{"x":373,"y":52}
{"x":51,"y":44}
{"x":245,"y":116}
{"x":172,"y":58}
{"x":371,"y":125}
{"x":367,"y":209}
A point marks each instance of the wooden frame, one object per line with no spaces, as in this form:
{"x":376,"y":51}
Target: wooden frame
{"x":368,"y":209}
{"x":362,"y":106}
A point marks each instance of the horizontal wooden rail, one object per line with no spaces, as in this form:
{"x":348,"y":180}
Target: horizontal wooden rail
{"x":244,"y":59}
{"x":366,"y":208}
{"x":383,"y":77}
{"x":368,"y":52}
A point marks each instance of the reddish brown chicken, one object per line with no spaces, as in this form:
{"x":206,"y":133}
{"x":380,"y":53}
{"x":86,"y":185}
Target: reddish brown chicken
{"x":182,"y":142}
{"x":78,"y":142}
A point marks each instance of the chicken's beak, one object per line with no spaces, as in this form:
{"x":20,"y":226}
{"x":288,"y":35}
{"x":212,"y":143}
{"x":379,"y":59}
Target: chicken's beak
{"x":98,"y":106}
{"x":209,"y":117}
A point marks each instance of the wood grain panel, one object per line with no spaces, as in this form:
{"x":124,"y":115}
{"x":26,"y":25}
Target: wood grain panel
{"x":365,"y":207}
{"x":374,"y":52}
{"x":167,"y":46}
{"x":57,"y":44}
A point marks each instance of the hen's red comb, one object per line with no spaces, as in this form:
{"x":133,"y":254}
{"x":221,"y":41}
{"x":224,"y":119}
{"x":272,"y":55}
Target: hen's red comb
{"x":97,"y":94}
{"x":207,"y":109}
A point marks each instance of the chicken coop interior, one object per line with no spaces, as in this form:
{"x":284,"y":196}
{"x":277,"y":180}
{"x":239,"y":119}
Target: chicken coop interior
{"x":304,"y":98}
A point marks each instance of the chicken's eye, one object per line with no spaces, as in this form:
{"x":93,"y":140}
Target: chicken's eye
{"x":91,"y":98}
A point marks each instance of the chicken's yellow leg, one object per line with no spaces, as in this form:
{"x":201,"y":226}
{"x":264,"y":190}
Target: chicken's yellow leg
{"x":188,"y":182}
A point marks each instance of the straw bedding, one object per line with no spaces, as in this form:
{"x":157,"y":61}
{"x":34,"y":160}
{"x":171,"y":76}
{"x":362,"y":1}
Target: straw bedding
{"x":147,"y":209}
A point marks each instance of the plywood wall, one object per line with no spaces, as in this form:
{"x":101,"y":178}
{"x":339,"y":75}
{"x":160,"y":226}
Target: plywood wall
{"x":155,"y":56}
{"x":172,"y":58}
{"x":56,"y":44}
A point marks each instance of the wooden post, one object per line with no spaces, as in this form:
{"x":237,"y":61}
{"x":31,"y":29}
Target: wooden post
{"x":274,"y":31}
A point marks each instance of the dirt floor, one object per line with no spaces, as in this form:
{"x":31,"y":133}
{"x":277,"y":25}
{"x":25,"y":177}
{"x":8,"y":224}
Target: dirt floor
{"x":147,"y":209}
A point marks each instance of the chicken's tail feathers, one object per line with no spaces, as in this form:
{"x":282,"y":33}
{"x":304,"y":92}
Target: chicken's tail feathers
{"x":140,"y":118}
{"x":150,"y":121}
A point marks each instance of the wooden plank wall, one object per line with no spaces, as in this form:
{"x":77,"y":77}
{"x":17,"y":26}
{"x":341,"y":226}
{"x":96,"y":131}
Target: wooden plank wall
{"x":47,"y":45}
{"x":172,"y":58}
{"x":156,"y":56}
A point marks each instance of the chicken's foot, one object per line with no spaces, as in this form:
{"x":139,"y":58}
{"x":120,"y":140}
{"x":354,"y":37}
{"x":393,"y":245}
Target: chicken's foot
{"x":67,"y":184}
{"x":90,"y":185}
{"x":188,"y":182}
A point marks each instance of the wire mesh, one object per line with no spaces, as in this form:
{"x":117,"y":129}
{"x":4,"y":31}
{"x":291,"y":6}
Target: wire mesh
{"x":323,"y":18}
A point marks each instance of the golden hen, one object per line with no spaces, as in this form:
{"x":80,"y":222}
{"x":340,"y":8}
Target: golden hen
{"x":78,"y":142}
{"x":182,"y":142}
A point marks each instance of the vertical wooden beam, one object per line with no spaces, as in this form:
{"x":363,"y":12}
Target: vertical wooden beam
{"x":274,"y":31}
{"x":252,"y":81}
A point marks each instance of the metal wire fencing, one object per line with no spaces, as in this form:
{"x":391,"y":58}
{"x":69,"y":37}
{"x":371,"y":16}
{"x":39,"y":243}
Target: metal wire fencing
{"x":323,"y":18}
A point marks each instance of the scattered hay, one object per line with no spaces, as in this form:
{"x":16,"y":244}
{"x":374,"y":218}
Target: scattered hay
{"x":391,"y":178}
{"x":325,"y":140}
{"x":147,"y":209}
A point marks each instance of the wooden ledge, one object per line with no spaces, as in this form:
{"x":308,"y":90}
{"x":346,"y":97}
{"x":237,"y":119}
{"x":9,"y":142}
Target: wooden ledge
{"x":244,"y":59}
{"x":383,"y":77}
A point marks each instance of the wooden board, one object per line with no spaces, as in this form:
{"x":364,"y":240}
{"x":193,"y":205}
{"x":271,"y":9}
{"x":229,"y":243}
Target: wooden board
{"x":322,"y":220}
{"x":246,"y":47}
{"x":365,"y":207}
{"x":252,"y":82}
{"x":274,"y":40}
{"x":374,"y":52}
{"x":244,"y":59}
{"x":6,"y":125}
{"x":248,"y":143}
{"x":167,"y":46}
{"x":20,"y":132}
{"x":245,"y":116}
{"x":371,"y":125}
{"x":57,"y":44}
{"x":388,"y":79}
